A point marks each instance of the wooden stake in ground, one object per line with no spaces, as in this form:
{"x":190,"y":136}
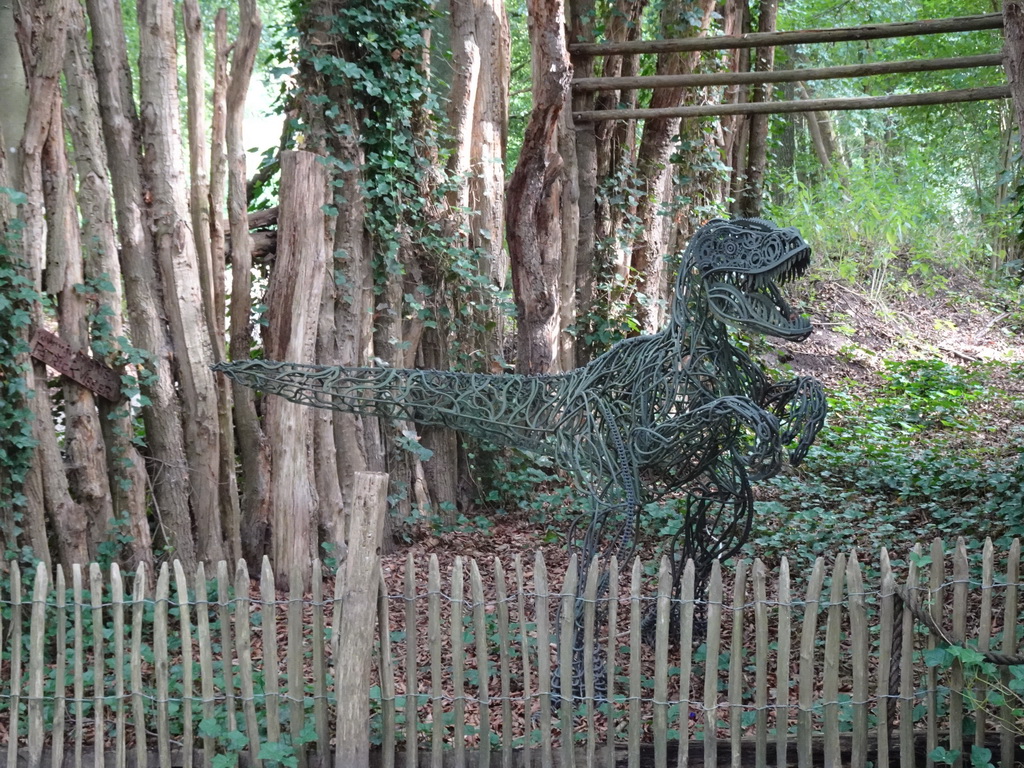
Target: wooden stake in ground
{"x":359,"y":606}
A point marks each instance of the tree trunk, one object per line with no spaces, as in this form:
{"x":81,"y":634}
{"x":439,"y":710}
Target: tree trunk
{"x":735,"y":18}
{"x":17,"y":374}
{"x":611,"y":164}
{"x":291,"y":334}
{"x":13,"y":94}
{"x":653,"y":169}
{"x":582,"y":14}
{"x":165,"y":438}
{"x":178,"y":261}
{"x":125,"y":465}
{"x":42,"y":32}
{"x":569,"y":225}
{"x":534,"y":195}
{"x":462,"y":93}
{"x":1013,"y":33}
{"x":229,"y":498}
{"x":753,"y":191}
{"x":199,"y":187}
{"x":252,"y":445}
{"x":83,"y":436}
{"x":487,"y":163}
{"x":348,"y":291}
{"x":325,"y":446}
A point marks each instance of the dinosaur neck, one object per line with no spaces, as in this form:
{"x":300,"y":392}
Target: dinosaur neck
{"x":704,"y":339}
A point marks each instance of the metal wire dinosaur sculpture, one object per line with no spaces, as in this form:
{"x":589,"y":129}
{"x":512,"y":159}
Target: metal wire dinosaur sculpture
{"x":680,"y":412}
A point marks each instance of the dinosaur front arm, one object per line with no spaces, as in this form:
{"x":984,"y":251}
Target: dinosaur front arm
{"x":681,"y":448}
{"x":801,"y":406}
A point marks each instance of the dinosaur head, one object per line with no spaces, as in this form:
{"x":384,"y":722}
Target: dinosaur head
{"x":742,"y":264}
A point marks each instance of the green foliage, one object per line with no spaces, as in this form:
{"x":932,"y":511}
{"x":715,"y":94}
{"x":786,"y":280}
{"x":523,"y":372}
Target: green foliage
{"x":886,"y":226}
{"x":926,"y":455}
{"x":984,"y":690}
{"x":514,"y":483}
{"x":17,"y":296}
{"x":905,"y":182}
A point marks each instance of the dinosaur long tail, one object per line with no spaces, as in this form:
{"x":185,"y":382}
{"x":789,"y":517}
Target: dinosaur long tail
{"x":505,"y":409}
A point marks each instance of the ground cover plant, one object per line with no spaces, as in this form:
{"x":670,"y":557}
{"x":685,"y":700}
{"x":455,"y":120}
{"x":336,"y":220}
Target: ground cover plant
{"x":933,"y":450}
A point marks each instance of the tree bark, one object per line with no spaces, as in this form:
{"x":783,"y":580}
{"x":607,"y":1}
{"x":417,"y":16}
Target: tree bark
{"x":125,"y":465}
{"x":83,"y":435}
{"x":252,"y":445}
{"x":229,"y":498}
{"x":165,"y":438}
{"x":199,"y":187}
{"x":653,"y":169}
{"x":13,"y":94}
{"x":735,"y":129}
{"x":534,"y":195}
{"x":753,"y":191}
{"x":348,"y":291}
{"x":462,"y":93}
{"x":291,"y":334}
{"x":487,"y":178}
{"x":582,"y":15}
{"x":616,"y":160}
{"x":325,"y":445}
{"x":178,"y":261}
{"x":41,"y":32}
{"x":1013,"y":34}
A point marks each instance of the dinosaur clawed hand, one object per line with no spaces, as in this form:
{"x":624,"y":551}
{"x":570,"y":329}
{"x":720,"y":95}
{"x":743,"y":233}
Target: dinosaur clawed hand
{"x":801,"y":406}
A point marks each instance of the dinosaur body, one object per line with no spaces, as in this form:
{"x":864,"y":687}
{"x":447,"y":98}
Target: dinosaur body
{"x":682,"y":410}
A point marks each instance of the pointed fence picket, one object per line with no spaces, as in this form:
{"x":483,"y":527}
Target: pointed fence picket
{"x":755,"y":667}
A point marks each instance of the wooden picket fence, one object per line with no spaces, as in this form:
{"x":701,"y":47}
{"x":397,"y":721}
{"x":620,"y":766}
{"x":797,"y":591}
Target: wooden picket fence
{"x":763,"y":668}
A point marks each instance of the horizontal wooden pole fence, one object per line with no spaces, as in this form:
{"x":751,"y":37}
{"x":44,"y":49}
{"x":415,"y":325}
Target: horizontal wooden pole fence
{"x":841,"y":663}
{"x":787,"y":75}
{"x":987,"y":93}
{"x":762,"y":39}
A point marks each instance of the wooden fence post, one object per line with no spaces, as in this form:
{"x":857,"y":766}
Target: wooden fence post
{"x":359,"y":608}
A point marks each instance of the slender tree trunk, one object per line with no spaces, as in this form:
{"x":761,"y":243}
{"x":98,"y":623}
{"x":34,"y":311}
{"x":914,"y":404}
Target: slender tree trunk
{"x":1013,"y":33}
{"x":199,"y":187}
{"x":348,"y":292}
{"x":177,"y":258}
{"x":165,"y":438}
{"x":83,"y":436}
{"x":485,"y":187}
{"x":325,"y":446}
{"x":42,"y":31}
{"x":734,"y":22}
{"x":462,"y":93}
{"x":653,"y":169}
{"x":125,"y":464}
{"x":229,"y":498}
{"x":252,"y":445}
{"x":15,"y":96}
{"x":616,"y":158}
{"x":569,"y":224}
{"x":291,"y":334}
{"x":534,"y":195}
{"x":611,"y":164}
{"x":582,"y":14}
{"x":751,"y":199}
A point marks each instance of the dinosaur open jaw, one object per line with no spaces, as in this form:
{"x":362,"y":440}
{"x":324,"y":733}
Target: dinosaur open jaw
{"x":754,"y":299}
